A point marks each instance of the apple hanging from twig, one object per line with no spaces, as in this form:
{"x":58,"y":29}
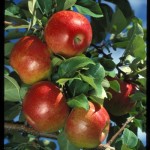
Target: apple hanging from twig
{"x":68,"y":33}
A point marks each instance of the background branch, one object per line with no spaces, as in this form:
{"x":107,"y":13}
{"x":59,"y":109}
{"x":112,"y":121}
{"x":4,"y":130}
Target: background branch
{"x":23,"y":128}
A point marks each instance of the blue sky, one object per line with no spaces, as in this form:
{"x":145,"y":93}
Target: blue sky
{"x":140,"y":9}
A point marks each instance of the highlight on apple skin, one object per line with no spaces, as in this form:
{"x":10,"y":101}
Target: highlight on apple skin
{"x":68,"y":33}
{"x":87,"y":129}
{"x":45,"y":108}
{"x":30,"y":58}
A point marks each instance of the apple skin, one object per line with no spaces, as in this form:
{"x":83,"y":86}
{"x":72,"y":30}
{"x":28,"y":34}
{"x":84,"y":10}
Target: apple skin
{"x":120,"y":104}
{"x":30,"y":58}
{"x":87,"y":129}
{"x":45,"y":107}
{"x":68,"y":33}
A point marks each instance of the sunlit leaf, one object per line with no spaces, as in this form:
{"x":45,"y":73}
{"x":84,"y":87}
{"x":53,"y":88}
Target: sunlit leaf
{"x":89,"y":80}
{"x":71,"y":65}
{"x":31,"y":5}
{"x":129,"y":138}
{"x":138,"y":47}
{"x":11,"y":89}
{"x":62,"y":81}
{"x":79,"y":101}
{"x":115,"y":85}
{"x":16,"y":27}
{"x":125,"y":147}
{"x":69,"y":3}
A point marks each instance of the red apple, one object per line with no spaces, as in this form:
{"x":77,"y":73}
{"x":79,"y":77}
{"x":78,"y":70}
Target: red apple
{"x":68,"y":33}
{"x":121,"y":103}
{"x":30,"y":58}
{"x":45,"y":107}
{"x":87,"y":129}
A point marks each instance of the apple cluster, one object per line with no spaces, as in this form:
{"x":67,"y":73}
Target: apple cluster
{"x":68,"y":34}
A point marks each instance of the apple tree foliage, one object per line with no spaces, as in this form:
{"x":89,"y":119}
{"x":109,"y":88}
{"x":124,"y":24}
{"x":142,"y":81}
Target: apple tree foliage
{"x":81,"y":77}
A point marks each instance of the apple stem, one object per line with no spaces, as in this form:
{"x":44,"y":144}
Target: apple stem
{"x":77,"y":40}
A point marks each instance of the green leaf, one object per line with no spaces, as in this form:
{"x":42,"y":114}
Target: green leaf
{"x":23,"y":4}
{"x":108,"y":64}
{"x":89,"y":7}
{"x":64,"y":143}
{"x":15,"y":34}
{"x":110,"y":73}
{"x":138,"y":47}
{"x":117,"y":25}
{"x":21,"y":117}
{"x":31,"y":5}
{"x":8,"y":13}
{"x":138,"y":123}
{"x":100,"y":26}
{"x":71,"y":65}
{"x":105,"y":83}
{"x":6,"y":61}
{"x":69,"y":3}
{"x":16,"y":20}
{"x":129,"y":138}
{"x":89,"y":80}
{"x":8,"y":47}
{"x":125,"y":147}
{"x":64,"y":80}
{"x":56,"y":61}
{"x":121,"y":44}
{"x":115,"y":85}
{"x":11,"y":110}
{"x":11,"y":89}
{"x":79,"y":101}
{"x":99,"y":95}
{"x":86,"y":11}
{"x":23,"y":90}
{"x":142,"y":81}
{"x":140,"y":145}
{"x":45,"y":6}
{"x":96,"y":71}
{"x":32,"y":9}
{"x":6,"y":71}
{"x":75,"y":87}
{"x":14,"y":9}
{"x":136,"y":30}
{"x":99,"y":31}
{"x":125,"y":7}
{"x":19,"y":139}
{"x":143,"y":72}
{"x":60,"y":5}
{"x":16,"y":27}
{"x":138,"y":96}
